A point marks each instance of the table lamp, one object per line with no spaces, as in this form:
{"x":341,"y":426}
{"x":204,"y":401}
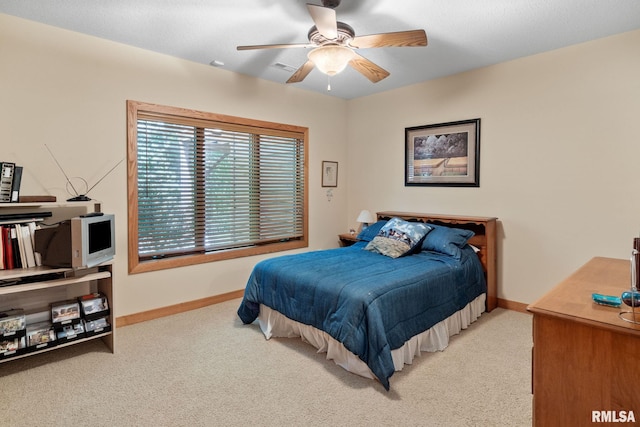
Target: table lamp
{"x":365,"y":218}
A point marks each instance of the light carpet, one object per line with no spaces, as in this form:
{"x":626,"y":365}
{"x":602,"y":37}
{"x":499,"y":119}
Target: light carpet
{"x":205,"y":368}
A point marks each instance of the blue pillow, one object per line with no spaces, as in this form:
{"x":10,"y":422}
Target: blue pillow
{"x":398,"y":238}
{"x":446,"y":240}
{"x":367,"y":234}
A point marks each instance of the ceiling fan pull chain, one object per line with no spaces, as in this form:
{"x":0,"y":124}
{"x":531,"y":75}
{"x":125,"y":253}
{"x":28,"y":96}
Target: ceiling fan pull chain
{"x":328,"y":83}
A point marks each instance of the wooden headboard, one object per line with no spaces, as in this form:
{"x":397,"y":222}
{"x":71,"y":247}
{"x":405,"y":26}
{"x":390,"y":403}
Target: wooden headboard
{"x":484,"y":239}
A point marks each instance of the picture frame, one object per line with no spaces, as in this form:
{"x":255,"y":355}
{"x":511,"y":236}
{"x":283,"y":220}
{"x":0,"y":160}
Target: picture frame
{"x":443,"y":154}
{"x":329,"y":173}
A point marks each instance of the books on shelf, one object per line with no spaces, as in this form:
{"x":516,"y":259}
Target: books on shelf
{"x":17,"y":246}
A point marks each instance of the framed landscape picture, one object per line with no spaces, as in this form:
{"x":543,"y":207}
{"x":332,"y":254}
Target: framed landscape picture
{"x":444,"y":154}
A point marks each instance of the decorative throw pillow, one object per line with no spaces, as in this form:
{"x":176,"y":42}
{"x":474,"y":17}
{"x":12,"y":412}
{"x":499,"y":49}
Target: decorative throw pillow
{"x":367,"y":234}
{"x":398,"y":237}
{"x":446,"y":240}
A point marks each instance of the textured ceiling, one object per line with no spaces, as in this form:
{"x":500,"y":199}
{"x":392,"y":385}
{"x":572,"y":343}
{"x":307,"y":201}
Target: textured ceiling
{"x":462,"y":34}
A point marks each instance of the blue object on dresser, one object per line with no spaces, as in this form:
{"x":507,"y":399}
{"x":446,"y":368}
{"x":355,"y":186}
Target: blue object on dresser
{"x":608,"y":300}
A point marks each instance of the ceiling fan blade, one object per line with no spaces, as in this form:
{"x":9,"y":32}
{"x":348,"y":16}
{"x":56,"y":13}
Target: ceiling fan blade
{"x":373,"y":72}
{"x":325,"y":20}
{"x":274,"y":46}
{"x":397,"y":39}
{"x":301,"y":72}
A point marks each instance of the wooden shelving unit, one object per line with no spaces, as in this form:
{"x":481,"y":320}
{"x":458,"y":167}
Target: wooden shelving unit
{"x":38,"y":287}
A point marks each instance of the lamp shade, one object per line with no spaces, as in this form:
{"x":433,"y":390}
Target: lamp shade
{"x":366,"y":217}
{"x":331,"y":59}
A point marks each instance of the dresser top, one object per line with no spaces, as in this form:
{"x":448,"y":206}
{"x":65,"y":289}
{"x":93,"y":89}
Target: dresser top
{"x":571,"y":298}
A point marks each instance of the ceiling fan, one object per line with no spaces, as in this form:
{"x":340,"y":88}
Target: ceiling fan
{"x":334,"y":45}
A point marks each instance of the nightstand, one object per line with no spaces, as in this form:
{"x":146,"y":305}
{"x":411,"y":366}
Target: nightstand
{"x":347,"y":239}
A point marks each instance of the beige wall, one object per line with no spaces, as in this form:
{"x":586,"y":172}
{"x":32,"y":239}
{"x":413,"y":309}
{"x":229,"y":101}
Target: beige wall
{"x":560,"y":151}
{"x":69,"y":90}
{"x":558,"y":161}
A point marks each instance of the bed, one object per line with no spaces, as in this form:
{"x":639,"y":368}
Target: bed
{"x":371,"y":310}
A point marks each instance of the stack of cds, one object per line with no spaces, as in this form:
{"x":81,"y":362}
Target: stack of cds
{"x":95,"y":312}
{"x":65,"y":316}
{"x":66,"y":321}
{"x":12,"y":333}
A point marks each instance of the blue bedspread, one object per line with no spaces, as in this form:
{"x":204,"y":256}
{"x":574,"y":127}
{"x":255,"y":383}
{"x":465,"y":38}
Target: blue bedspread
{"x":370,"y":303}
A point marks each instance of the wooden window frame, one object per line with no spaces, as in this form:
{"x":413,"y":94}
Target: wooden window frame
{"x":135,"y":265}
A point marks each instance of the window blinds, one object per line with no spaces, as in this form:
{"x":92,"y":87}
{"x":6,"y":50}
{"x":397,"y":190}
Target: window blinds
{"x":206,"y":186}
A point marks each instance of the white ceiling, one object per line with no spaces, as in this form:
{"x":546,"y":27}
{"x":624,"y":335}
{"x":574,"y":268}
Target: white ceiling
{"x":462,"y":34}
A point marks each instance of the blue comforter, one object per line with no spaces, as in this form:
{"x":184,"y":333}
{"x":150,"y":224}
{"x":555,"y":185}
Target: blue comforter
{"x":369,"y":302}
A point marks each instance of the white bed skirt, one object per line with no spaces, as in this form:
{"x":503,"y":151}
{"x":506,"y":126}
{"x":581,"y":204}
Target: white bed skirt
{"x":275,"y":324}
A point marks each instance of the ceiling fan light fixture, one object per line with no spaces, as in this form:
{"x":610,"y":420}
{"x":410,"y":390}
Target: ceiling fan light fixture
{"x":331,"y":60}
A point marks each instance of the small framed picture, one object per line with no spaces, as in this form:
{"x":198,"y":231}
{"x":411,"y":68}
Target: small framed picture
{"x":329,"y":174}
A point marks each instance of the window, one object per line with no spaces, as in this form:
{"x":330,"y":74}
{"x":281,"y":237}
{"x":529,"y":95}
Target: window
{"x":204,"y":187}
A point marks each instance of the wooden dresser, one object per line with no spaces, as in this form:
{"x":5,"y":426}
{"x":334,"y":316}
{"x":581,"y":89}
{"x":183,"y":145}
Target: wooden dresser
{"x":585,"y":358}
